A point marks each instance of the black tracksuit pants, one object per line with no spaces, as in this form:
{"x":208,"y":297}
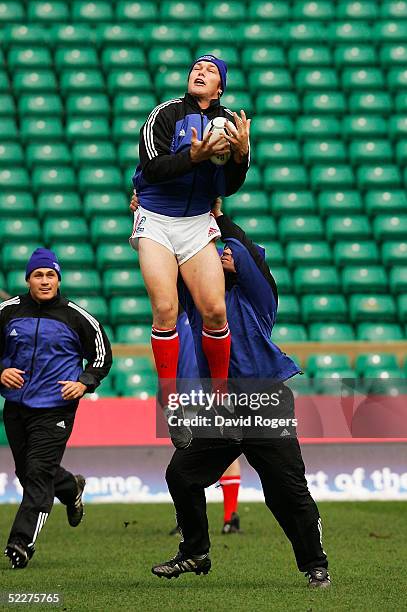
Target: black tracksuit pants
{"x":279,"y":464}
{"x":37,"y":438}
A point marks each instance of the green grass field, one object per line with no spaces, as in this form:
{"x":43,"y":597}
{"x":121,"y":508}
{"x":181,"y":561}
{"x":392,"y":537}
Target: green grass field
{"x":103,"y":565}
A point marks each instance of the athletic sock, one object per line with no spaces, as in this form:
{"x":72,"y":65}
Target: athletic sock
{"x":230,"y":488}
{"x":165,"y":344}
{"x":216,"y":347}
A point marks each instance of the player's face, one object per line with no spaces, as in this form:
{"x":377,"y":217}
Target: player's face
{"x":228,"y":263}
{"x":43,"y":284}
{"x":204,"y":81}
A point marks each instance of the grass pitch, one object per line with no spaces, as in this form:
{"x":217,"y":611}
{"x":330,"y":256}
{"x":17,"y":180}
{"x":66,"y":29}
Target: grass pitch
{"x":105,"y":565}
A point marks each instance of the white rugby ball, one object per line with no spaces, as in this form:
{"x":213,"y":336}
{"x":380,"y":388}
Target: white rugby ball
{"x":217,"y":129}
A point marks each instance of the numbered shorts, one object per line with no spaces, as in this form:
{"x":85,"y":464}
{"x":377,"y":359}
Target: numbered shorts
{"x":183,"y":236}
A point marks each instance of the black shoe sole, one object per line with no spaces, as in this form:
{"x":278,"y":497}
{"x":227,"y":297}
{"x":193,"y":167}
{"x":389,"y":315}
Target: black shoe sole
{"x":198,"y":572}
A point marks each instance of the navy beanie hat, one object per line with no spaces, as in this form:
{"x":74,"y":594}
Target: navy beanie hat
{"x":220,"y":64}
{"x":43,"y":258}
{"x":261,"y":251}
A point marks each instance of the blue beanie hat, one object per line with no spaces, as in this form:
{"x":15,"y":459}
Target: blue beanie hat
{"x":220,"y":64}
{"x":261,"y":251}
{"x":42,"y":258}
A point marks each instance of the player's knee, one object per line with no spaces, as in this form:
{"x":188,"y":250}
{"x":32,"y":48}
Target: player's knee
{"x":214,"y":315}
{"x":165,"y":313}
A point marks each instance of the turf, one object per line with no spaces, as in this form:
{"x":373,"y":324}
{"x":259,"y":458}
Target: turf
{"x":105,"y":565}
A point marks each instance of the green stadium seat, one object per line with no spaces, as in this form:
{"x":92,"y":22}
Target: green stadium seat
{"x":318,"y":11}
{"x":16,"y":255}
{"x":261,"y":10}
{"x":316,"y":79}
{"x":12,"y":203}
{"x":173,"y":34}
{"x":364,"y":126}
{"x":88,"y":80}
{"x":315,"y":308}
{"x":372,"y":308}
{"x":112,"y":203}
{"x":127,"y":128}
{"x":74,"y":256}
{"x":85,"y":129}
{"x":390,"y":227}
{"x":402,"y":307}
{"x":362,"y":79}
{"x":171,"y":82}
{"x":8,"y":128}
{"x":288,"y":332}
{"x":78,"y":282}
{"x":99,"y":178}
{"x":47,"y":12}
{"x":29,"y":81}
{"x":400,"y":102}
{"x":169,"y":57}
{"x":355,"y":55}
{"x":306,"y":56}
{"x":258,"y":228}
{"x":118,"y":255}
{"x":247,"y":202}
{"x":4,"y":81}
{"x":393,"y":9}
{"x":133,"y":334}
{"x":288,"y":309}
{"x":136,"y":385}
{"x":316,"y":279}
{"x":397,"y":79}
{"x":237,"y":80}
{"x":72,"y":229}
{"x":134,"y":80}
{"x":379,"y":202}
{"x":343,"y":32}
{"x":15,"y":282}
{"x":307,"y":228}
{"x":375,"y":361}
{"x":339,"y":176}
{"x":69,"y":58}
{"x":398,"y":279}
{"x":91,"y":12}
{"x":45,"y":178}
{"x":7,"y":106}
{"x":401,"y":152}
{"x":319,"y":363}
{"x":307,"y":253}
{"x":11,"y":12}
{"x":123,"y":282}
{"x":28,"y":57}
{"x":127,"y":153}
{"x":92,"y":153}
{"x":365,"y":151}
{"x":331,"y":382}
{"x":19,"y":230}
{"x":110,"y":229}
{"x":332,"y":151}
{"x":258,"y":33}
{"x":14,"y":178}
{"x":331,"y":332}
{"x":394,"y":252}
{"x":283,"y":279}
{"x":137,"y":12}
{"x":116,"y":34}
{"x":269,"y":79}
{"x":134,"y":104}
{"x":180,"y":11}
{"x":339,"y":202}
{"x":352,"y":227}
{"x":285,"y":177}
{"x":379,"y":176}
{"x":328,"y":102}
{"x":357,"y":10}
{"x":55,"y":153}
{"x":271,"y":128}
{"x":130,"y":310}
{"x":122,"y":57}
{"x":44,"y":105}
{"x":11,"y":154}
{"x":284,"y":103}
{"x":238,"y":100}
{"x":278,"y":152}
{"x":393,"y":31}
{"x":378,"y":102}
{"x":357,"y":279}
{"x":303,"y":32}
{"x":393,"y":55}
{"x":263,"y":57}
{"x":38,"y":130}
{"x":59,"y":204}
{"x":274,"y":252}
{"x":133,"y":365}
{"x":398,"y":127}
{"x":349,"y":253}
{"x":71,"y":34}
{"x":229,"y":10}
{"x":317,"y":127}
{"x":292,"y":203}
{"x":24,"y":34}
{"x":253,"y":178}
{"x":379,"y":332}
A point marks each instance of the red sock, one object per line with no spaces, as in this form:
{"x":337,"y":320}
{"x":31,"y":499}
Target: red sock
{"x":216,"y":346}
{"x":165,"y":344}
{"x":230,"y":488}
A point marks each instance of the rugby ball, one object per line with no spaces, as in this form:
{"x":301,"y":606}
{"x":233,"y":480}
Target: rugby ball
{"x":216,"y":127}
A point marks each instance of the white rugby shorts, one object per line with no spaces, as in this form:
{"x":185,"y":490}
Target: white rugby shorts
{"x":183,"y":236}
